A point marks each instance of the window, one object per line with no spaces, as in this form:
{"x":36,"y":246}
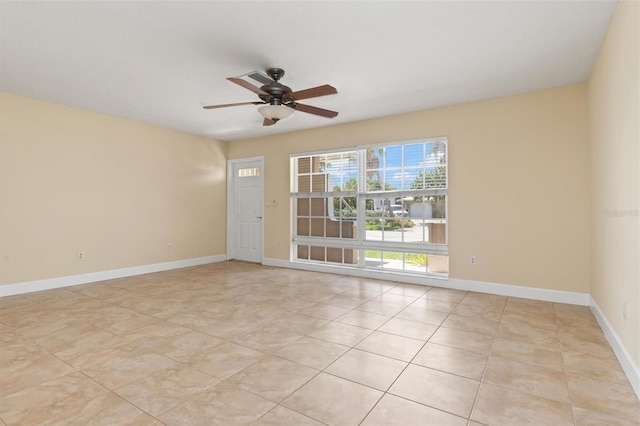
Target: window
{"x":251,"y":172}
{"x":373,"y":207}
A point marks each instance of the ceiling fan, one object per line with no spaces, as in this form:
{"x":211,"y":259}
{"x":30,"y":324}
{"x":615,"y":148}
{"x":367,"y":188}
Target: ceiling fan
{"x":279,"y":100}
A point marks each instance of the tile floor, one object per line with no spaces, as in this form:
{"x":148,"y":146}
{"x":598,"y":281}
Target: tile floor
{"x":235,"y":343}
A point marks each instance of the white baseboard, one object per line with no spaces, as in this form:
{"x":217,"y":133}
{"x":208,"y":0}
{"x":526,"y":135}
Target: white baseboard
{"x":624,"y":357}
{"x":48,"y":284}
{"x":546,"y":295}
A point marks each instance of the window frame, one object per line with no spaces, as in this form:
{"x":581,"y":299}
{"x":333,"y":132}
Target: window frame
{"x":360,"y":242}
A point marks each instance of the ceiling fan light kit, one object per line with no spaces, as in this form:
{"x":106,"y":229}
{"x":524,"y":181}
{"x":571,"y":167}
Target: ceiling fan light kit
{"x":279,"y":100}
{"x":275,"y":112}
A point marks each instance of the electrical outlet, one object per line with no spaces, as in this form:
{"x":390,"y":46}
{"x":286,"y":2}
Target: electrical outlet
{"x":169,"y":247}
{"x":277,"y":244}
{"x":80,"y":255}
{"x":624,"y":310}
{"x":473,"y":261}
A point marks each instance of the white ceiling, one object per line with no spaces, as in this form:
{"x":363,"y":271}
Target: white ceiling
{"x":160,"y":62}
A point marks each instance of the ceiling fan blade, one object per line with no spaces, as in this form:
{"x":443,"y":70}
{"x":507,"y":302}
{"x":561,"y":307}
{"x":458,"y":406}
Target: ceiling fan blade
{"x":230,"y":105}
{"x":268,"y":122}
{"x":315,"y":110}
{"x":314,"y":92}
{"x":248,"y":86}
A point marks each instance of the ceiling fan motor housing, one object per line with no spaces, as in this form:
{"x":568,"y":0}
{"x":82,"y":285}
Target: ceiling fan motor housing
{"x":276,"y":91}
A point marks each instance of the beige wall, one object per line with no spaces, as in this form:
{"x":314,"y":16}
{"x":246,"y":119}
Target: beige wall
{"x":118,"y":190}
{"x":614,"y":93}
{"x":519,"y":183}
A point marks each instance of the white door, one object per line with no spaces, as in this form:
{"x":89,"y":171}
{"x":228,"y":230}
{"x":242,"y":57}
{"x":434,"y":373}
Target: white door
{"x":245,"y":215}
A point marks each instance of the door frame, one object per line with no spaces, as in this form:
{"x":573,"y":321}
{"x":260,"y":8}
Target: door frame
{"x":231,"y":204}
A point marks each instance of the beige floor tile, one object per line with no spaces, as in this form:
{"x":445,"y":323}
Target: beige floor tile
{"x":298,"y":323}
{"x":527,"y":331}
{"x":434,"y":305}
{"x":72,"y":399}
{"x":369,"y":369}
{"x":57,"y":323}
{"x":227,"y":359}
{"x":312,"y":352}
{"x":391,"y":345}
{"x":606,"y":369}
{"x":14,"y":348}
{"x":100,"y":290}
{"x":166,"y":307}
{"x":333,"y":401}
{"x":413,"y":329}
{"x":395,"y":411}
{"x":527,"y":378}
{"x":444,"y":391}
{"x":220,"y":405}
{"x":505,"y":407}
{"x":376,"y":285}
{"x":411,"y":290}
{"x":75,"y":348}
{"x":528,"y":353}
{"x":272,"y":378}
{"x":151,"y":332}
{"x":131,"y":300}
{"x":342,"y":334}
{"x":324,"y":311}
{"x":117,"y":320}
{"x":510,"y":315}
{"x":361,"y":293}
{"x":604,"y":397}
{"x":185,"y":347}
{"x":585,"y":417}
{"x":382,"y":308}
{"x":413,"y":313}
{"x":22,"y":372}
{"x":281,"y":416}
{"x":19,"y":301}
{"x":475,"y":324}
{"x":487,"y":301}
{"x":595,"y":345}
{"x":461,"y":339}
{"x":395,"y":299}
{"x":363,"y":319}
{"x":319,"y":297}
{"x":31,"y":314}
{"x":291,"y":303}
{"x":575,"y":312}
{"x":79,"y":356}
{"x":125,"y":367}
{"x":451,"y":360}
{"x":268,"y":339}
{"x":344,"y":301}
{"x":480,"y":312}
{"x":196,"y":318}
{"x":445,"y":294}
{"x":535,"y":307}
{"x":166,"y":389}
{"x":233,"y":326}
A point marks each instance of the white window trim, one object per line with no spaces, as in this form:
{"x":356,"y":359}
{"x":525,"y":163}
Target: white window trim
{"x":361,"y":195}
